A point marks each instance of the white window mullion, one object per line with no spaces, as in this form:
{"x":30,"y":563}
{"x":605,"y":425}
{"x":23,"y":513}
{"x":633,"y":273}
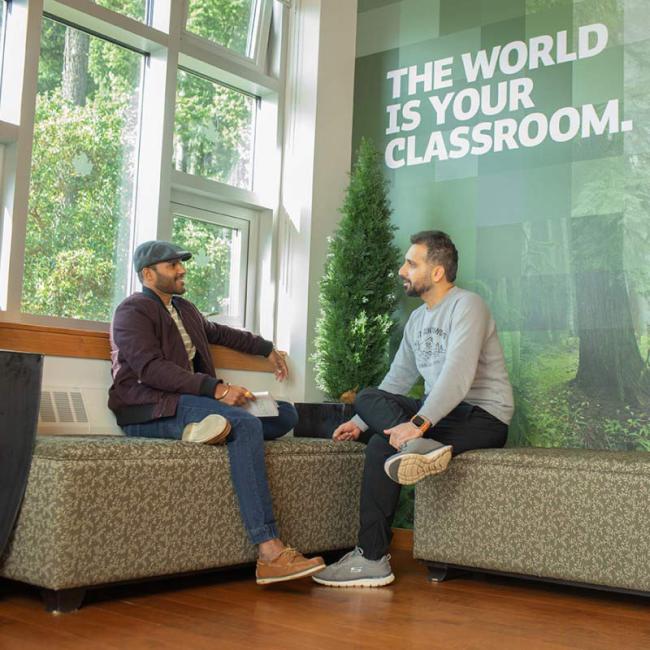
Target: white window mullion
{"x":262,"y":29}
{"x":18,"y":107}
{"x":8,"y":133}
{"x":241,"y":224}
{"x":109,"y":24}
{"x":253,"y":54}
{"x":267,"y":174}
{"x":236,"y":276}
{"x":220,"y":191}
{"x":152,"y":218}
{"x":219,"y":63}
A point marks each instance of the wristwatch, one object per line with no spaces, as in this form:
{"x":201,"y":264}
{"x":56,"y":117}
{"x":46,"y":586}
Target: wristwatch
{"x":421,"y":422}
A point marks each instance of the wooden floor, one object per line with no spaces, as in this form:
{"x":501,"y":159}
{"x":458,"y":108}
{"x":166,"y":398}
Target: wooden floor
{"x":227,"y":610}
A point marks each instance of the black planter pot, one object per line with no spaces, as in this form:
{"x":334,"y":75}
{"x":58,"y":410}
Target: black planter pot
{"x":20,"y":395}
{"x":316,"y":420}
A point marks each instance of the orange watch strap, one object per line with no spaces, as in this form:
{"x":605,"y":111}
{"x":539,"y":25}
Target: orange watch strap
{"x":426,"y":423}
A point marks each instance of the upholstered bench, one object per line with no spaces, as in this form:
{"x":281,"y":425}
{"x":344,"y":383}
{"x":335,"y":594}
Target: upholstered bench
{"x":570,"y":515}
{"x":101,"y":510}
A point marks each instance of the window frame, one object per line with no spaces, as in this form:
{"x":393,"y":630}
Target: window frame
{"x":261,"y":27}
{"x":168,"y":46}
{"x":148,"y":11}
{"x":131,"y":217}
{"x":218,"y":213}
{"x":256,"y":105}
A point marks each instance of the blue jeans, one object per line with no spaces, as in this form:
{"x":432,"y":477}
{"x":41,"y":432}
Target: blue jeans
{"x":245,"y":447}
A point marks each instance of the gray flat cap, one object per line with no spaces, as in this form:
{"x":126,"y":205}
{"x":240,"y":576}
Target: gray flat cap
{"x":152,"y":252}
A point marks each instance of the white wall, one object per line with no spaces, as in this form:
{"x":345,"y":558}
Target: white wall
{"x":317,"y":153}
{"x":93,"y":378}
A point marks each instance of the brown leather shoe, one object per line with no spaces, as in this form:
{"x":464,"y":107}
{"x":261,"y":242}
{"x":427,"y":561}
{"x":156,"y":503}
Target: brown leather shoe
{"x":288,"y":565}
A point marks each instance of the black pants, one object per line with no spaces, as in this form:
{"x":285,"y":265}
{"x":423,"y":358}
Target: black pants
{"x":466,"y":427}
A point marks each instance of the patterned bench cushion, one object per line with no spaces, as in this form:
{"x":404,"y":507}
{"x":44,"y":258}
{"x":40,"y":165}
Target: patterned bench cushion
{"x":100,"y":510}
{"x":568,"y":514}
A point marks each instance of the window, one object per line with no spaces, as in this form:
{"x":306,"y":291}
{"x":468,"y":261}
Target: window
{"x":79,"y":225}
{"x":216,"y":274}
{"x":132,"y":8}
{"x":134,"y":110}
{"x":214,"y":131}
{"x":230,"y":23}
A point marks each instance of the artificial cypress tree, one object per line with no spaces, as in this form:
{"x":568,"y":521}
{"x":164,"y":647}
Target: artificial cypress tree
{"x":358,"y":289}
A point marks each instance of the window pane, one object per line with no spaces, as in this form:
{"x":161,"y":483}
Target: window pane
{"x":227,"y":22}
{"x":82,"y":179}
{"x":214,"y":131}
{"x":132,"y":8}
{"x":213,"y":273}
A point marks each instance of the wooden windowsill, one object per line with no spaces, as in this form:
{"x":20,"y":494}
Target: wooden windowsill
{"x":88,"y":344}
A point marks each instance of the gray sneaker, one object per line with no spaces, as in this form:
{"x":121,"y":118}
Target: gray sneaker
{"x":353,"y":570}
{"x":416,"y":459}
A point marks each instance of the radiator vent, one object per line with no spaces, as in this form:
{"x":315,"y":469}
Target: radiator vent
{"x":47,"y":414}
{"x":75,"y":411}
{"x":63,"y":406}
{"x":78,"y":407}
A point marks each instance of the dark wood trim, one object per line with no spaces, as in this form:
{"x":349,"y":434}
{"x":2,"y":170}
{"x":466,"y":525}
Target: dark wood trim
{"x":55,"y":341}
{"x":442,"y":571}
{"x":89,"y":344}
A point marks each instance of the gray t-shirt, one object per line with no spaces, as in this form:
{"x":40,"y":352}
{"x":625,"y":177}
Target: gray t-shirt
{"x":454,"y":347}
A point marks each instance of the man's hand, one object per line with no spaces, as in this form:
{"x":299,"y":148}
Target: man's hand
{"x":347,"y":431}
{"x":402,"y":433}
{"x":233,"y":395}
{"x":277,"y":358}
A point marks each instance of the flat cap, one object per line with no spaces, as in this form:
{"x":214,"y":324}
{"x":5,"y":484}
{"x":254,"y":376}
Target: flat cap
{"x":152,"y":252}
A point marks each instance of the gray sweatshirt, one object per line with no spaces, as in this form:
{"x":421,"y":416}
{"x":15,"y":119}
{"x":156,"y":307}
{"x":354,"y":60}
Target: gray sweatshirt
{"x":454,"y":347}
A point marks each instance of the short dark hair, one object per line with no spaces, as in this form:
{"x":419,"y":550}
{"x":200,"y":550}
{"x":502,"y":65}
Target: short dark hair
{"x":440,"y":250}
{"x":140,"y":273}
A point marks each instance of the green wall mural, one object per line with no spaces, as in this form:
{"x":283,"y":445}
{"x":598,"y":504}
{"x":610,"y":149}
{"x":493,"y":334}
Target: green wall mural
{"x":522,"y":128}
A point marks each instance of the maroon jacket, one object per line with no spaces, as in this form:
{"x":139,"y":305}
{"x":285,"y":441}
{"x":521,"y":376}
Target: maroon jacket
{"x":151,"y":369}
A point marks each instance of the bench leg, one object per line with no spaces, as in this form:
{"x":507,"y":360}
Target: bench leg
{"x":439,"y":572}
{"x":62,"y":601}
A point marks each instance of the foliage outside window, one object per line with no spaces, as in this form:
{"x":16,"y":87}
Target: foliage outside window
{"x":83,"y":175}
{"x":227,"y":22}
{"x":213,"y":273}
{"x":214,"y":131}
{"x":136,"y":9}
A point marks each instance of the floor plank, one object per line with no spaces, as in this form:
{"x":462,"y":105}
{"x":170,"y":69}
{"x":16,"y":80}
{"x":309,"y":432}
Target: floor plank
{"x":227,"y":610}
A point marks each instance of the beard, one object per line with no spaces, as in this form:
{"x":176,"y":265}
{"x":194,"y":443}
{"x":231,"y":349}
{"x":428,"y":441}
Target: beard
{"x":170,"y":285}
{"x":415,"y":290}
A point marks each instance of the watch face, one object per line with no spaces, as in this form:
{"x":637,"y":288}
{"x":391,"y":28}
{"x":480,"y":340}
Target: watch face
{"x":418,"y":420}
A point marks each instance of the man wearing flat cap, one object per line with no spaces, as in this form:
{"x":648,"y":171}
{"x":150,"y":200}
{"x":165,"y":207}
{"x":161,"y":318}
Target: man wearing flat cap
{"x":165,"y":386}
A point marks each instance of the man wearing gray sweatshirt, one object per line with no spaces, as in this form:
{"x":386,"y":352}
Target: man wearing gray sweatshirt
{"x":451,"y":342}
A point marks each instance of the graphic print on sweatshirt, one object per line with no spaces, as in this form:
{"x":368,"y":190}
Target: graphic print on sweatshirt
{"x":430,"y":347}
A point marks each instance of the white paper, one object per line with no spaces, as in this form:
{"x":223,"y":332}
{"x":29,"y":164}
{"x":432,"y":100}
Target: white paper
{"x":264,"y":406}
